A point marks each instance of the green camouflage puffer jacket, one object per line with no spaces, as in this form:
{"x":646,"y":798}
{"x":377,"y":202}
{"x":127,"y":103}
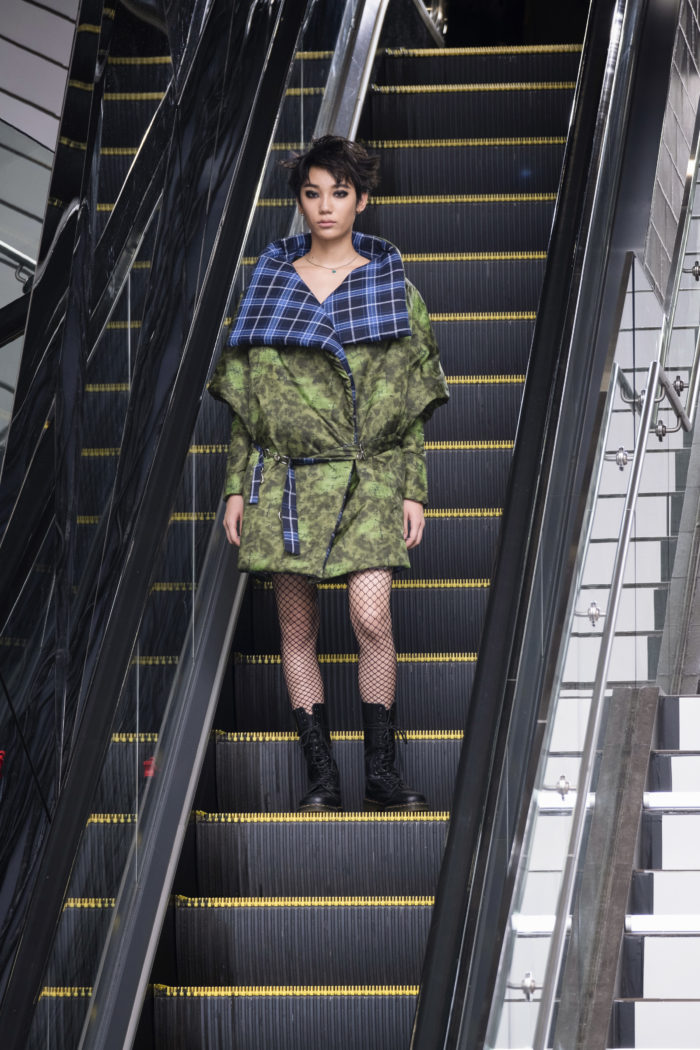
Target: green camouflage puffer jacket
{"x":296,"y":403}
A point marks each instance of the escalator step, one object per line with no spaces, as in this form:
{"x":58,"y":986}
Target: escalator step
{"x":477,"y":64}
{"x":373,"y":1018}
{"x":288,"y":941}
{"x":444,"y":223}
{"x":102,"y":855}
{"x":539,"y":108}
{"x":466,"y":165}
{"x":319,"y":854}
{"x":85,"y":921}
{"x":59,"y":1017}
{"x":481,"y":408}
{"x":266,"y":772}
{"x":481,"y":283}
{"x":431,"y":693}
{"x":470,"y":476}
{"x":440,"y":617}
{"x":494,"y":345}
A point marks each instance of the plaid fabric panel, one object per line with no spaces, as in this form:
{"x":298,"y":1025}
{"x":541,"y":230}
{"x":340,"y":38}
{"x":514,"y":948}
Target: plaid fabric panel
{"x":257,"y":478}
{"x":288,"y":513}
{"x":279,"y":310}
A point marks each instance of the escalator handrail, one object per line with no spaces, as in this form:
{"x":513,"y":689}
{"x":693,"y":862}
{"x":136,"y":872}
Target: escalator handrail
{"x":486,"y":828}
{"x":13,"y":319}
{"x":149,"y":524}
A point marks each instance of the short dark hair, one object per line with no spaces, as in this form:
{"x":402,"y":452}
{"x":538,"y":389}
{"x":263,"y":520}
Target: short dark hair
{"x":347,"y":161}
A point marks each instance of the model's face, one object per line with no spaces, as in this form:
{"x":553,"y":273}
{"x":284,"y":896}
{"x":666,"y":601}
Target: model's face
{"x":329,"y":207}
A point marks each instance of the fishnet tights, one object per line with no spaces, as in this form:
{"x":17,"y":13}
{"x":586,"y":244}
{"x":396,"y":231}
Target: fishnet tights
{"x":369,"y":595}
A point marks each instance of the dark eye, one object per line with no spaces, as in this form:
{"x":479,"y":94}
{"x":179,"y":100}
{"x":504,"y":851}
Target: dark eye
{"x":341,"y":193}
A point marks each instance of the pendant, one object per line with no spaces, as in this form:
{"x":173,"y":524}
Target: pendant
{"x":332,"y":271}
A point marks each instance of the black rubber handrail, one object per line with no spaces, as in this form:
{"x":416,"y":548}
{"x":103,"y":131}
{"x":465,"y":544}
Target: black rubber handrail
{"x":601,"y":216}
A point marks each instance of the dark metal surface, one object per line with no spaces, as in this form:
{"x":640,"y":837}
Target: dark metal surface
{"x":543,"y":513}
{"x":224,"y":115}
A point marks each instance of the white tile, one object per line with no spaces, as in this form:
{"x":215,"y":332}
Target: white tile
{"x":659,"y":1026}
{"x":671,"y":967}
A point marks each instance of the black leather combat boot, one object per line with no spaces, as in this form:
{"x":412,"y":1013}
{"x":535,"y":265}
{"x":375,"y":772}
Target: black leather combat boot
{"x":384,"y":788}
{"x":315,"y":740}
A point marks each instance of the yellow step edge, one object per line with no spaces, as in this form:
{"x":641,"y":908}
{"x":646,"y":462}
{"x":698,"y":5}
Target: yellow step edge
{"x":155,"y":661}
{"x":398,"y":584}
{"x":466,"y":446}
{"x":119,"y":325}
{"x":303,"y":902}
{"x":113,"y":818}
{"x":351,"y":658}
{"x":346,"y":736}
{"x":449,"y":198}
{"x":134,"y":738}
{"x":438,"y":817}
{"x":532,"y":140}
{"x":481,"y":380}
{"x":462,"y":52}
{"x":463,"y":512}
{"x":57,"y":992}
{"x":468,"y":89}
{"x":71,"y":143}
{"x":509,"y":315}
{"x":107,"y":388}
{"x":133,"y":96}
{"x":450,"y":257}
{"x":147,"y":60}
{"x":93,"y":903}
{"x":119,"y":151}
{"x":313,"y":54}
{"x":173,"y":586}
{"x":303,"y":91}
{"x":189,"y":516}
{"x":81,"y":85}
{"x":298,"y":991}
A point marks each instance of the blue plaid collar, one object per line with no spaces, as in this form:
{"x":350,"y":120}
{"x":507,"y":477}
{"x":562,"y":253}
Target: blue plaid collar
{"x":279,"y":310}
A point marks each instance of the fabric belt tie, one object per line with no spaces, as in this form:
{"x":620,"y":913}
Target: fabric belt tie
{"x":288,"y":509}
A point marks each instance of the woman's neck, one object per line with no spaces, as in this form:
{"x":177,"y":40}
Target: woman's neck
{"x":332,"y":253}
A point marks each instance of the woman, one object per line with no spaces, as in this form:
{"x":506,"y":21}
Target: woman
{"x":331,"y":370}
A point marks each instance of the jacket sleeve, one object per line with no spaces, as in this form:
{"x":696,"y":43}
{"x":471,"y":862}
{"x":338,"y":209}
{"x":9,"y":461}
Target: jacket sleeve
{"x":415,"y":485}
{"x":237,"y":458}
{"x":427,"y":389}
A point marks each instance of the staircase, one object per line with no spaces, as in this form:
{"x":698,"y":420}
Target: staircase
{"x":658,"y":1003}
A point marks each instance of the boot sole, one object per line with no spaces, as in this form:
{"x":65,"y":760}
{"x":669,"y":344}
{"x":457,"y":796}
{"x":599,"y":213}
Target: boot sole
{"x":408,"y":807}
{"x":320,"y":809}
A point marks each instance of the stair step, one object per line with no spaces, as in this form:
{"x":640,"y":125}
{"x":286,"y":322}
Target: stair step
{"x":667,"y":893}
{"x":527,"y":108}
{"x":291,"y":941}
{"x":432,"y":691}
{"x":477,"y":64}
{"x":650,"y":1025}
{"x":322,"y":854}
{"x":266,"y":772}
{"x":371,"y":1017}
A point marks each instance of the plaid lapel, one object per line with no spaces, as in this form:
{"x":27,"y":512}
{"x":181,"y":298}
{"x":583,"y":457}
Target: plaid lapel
{"x":279,"y":310}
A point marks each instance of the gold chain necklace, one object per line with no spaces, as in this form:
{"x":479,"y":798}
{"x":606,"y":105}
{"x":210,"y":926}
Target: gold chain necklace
{"x":338,"y":266}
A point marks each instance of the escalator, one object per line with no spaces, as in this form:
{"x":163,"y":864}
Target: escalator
{"x":285,"y":928}
{"x":288,"y":925}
